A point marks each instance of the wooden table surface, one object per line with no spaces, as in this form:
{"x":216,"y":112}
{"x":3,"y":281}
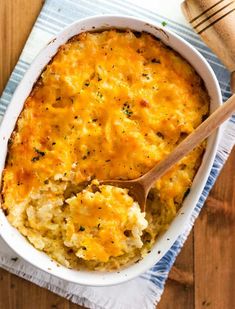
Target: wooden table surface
{"x":203,"y":274}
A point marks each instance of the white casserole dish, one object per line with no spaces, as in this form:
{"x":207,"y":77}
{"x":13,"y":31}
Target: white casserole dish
{"x":17,"y":242}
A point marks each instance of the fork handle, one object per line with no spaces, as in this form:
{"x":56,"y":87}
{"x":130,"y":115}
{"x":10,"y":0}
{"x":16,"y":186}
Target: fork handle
{"x":190,"y":142}
{"x":214,"y":21}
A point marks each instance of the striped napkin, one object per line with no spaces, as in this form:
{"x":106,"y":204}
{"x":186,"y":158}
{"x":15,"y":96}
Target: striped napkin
{"x":144,"y":291}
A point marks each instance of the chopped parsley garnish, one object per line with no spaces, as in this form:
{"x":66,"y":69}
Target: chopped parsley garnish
{"x":82,"y":228}
{"x":34,"y":159}
{"x":86,"y":83}
{"x":164,"y":23}
{"x":139,"y":51}
{"x":40,"y":154}
{"x":100,"y":95}
{"x":154,"y":60}
{"x":126,"y":109}
{"x":146,"y":75}
{"x":159,"y":134}
{"x":87,"y":154}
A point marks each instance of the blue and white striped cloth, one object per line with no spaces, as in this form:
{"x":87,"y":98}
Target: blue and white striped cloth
{"x":145,"y":291}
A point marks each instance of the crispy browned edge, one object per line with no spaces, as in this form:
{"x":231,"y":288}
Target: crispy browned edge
{"x":76,"y":38}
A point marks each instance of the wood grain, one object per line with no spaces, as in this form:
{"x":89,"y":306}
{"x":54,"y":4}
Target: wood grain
{"x":179,"y":293}
{"x":16,"y":20}
{"x":204,"y":270}
{"x":214,"y":20}
{"x":214,"y":241}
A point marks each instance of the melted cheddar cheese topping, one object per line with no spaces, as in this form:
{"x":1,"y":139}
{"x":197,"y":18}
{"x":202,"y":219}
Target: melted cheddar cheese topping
{"x":109,"y":105}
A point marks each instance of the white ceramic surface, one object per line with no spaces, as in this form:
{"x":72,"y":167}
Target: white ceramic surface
{"x":17,"y":242}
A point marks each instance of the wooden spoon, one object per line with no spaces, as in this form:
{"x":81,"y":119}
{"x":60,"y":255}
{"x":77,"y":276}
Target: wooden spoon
{"x":139,"y":188}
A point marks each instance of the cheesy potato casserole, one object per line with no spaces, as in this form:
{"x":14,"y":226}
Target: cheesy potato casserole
{"x":109,"y":105}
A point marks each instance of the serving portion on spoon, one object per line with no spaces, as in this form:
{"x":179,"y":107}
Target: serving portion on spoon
{"x":140,"y":187}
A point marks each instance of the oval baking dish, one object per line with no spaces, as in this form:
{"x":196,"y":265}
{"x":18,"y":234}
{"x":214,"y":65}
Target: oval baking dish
{"x":17,"y":242}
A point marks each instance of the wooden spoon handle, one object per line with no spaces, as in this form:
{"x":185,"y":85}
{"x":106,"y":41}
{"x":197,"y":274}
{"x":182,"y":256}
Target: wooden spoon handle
{"x":190,"y":142}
